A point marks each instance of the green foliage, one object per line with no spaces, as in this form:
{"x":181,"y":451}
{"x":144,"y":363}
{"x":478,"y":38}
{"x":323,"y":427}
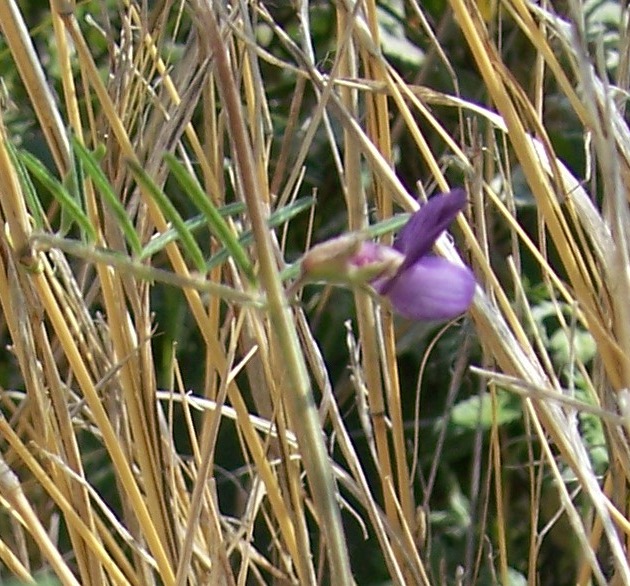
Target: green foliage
{"x":69,"y":201}
{"x":483,"y":412}
{"x":157,"y":243}
{"x":39,"y":581}
{"x":475,"y":445}
{"x":90,"y":163}
{"x":278,"y":218}
{"x":31,"y":197}
{"x":214,"y":219}
{"x":171,"y":214}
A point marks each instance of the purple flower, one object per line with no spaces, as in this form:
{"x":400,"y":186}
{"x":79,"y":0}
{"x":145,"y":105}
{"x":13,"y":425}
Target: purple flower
{"x":418,"y":284}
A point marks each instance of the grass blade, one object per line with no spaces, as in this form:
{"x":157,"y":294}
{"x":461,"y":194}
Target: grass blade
{"x":60,"y":193}
{"x":172,"y":215}
{"x":156,"y":244}
{"x":217,"y":224}
{"x":33,"y":204}
{"x":93,"y":169}
{"x":276,"y":219}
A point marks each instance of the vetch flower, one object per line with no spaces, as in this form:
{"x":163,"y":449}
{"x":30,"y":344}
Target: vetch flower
{"x":418,"y":284}
{"x":425,"y":286}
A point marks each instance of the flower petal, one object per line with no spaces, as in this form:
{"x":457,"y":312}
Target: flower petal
{"x":432,"y":288}
{"x":347,"y":259}
{"x":373,"y":261}
{"x":371,"y":252}
{"x":421,"y":231}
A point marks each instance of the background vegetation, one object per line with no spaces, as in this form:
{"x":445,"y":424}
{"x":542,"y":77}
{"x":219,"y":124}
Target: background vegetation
{"x":164,"y":166}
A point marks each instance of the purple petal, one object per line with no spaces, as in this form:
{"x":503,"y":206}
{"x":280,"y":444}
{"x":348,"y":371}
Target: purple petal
{"x":373,"y":261}
{"x":433,"y":288}
{"x":421,"y":231}
{"x":372,"y":252}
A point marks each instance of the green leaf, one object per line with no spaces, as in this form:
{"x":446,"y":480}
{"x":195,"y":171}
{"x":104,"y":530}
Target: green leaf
{"x":93,"y":169}
{"x":387,"y":226}
{"x":30,"y":193}
{"x":39,"y":581}
{"x":479,"y":411}
{"x":580,"y":345}
{"x":216,"y":223}
{"x":276,"y":219}
{"x":74,"y":182}
{"x":157,"y":243}
{"x":60,"y":193}
{"x":171,"y":214}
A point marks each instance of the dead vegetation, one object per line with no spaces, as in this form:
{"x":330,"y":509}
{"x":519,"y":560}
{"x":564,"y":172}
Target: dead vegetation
{"x":108,"y":469}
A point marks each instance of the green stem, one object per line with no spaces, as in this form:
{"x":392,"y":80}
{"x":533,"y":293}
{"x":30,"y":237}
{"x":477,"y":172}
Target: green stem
{"x":114,"y":258}
{"x":298,"y":399}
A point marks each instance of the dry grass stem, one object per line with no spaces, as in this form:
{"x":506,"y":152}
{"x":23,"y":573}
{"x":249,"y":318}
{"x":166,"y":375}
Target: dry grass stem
{"x":178,"y":408}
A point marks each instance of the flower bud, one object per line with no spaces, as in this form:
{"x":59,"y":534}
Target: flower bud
{"x":349,"y":259}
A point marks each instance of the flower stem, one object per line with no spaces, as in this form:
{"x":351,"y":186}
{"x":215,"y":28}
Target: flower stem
{"x":298,"y":398}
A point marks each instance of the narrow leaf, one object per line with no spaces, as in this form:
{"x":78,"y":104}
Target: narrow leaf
{"x":30,"y":193}
{"x":93,"y":169}
{"x":387,"y":226}
{"x":276,"y":219}
{"x":216,"y":223}
{"x":157,"y":243}
{"x":59,"y":192}
{"x":171,"y":214}
{"x":74,"y":183}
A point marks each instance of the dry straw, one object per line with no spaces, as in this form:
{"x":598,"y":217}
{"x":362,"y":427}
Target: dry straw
{"x":78,"y":311}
